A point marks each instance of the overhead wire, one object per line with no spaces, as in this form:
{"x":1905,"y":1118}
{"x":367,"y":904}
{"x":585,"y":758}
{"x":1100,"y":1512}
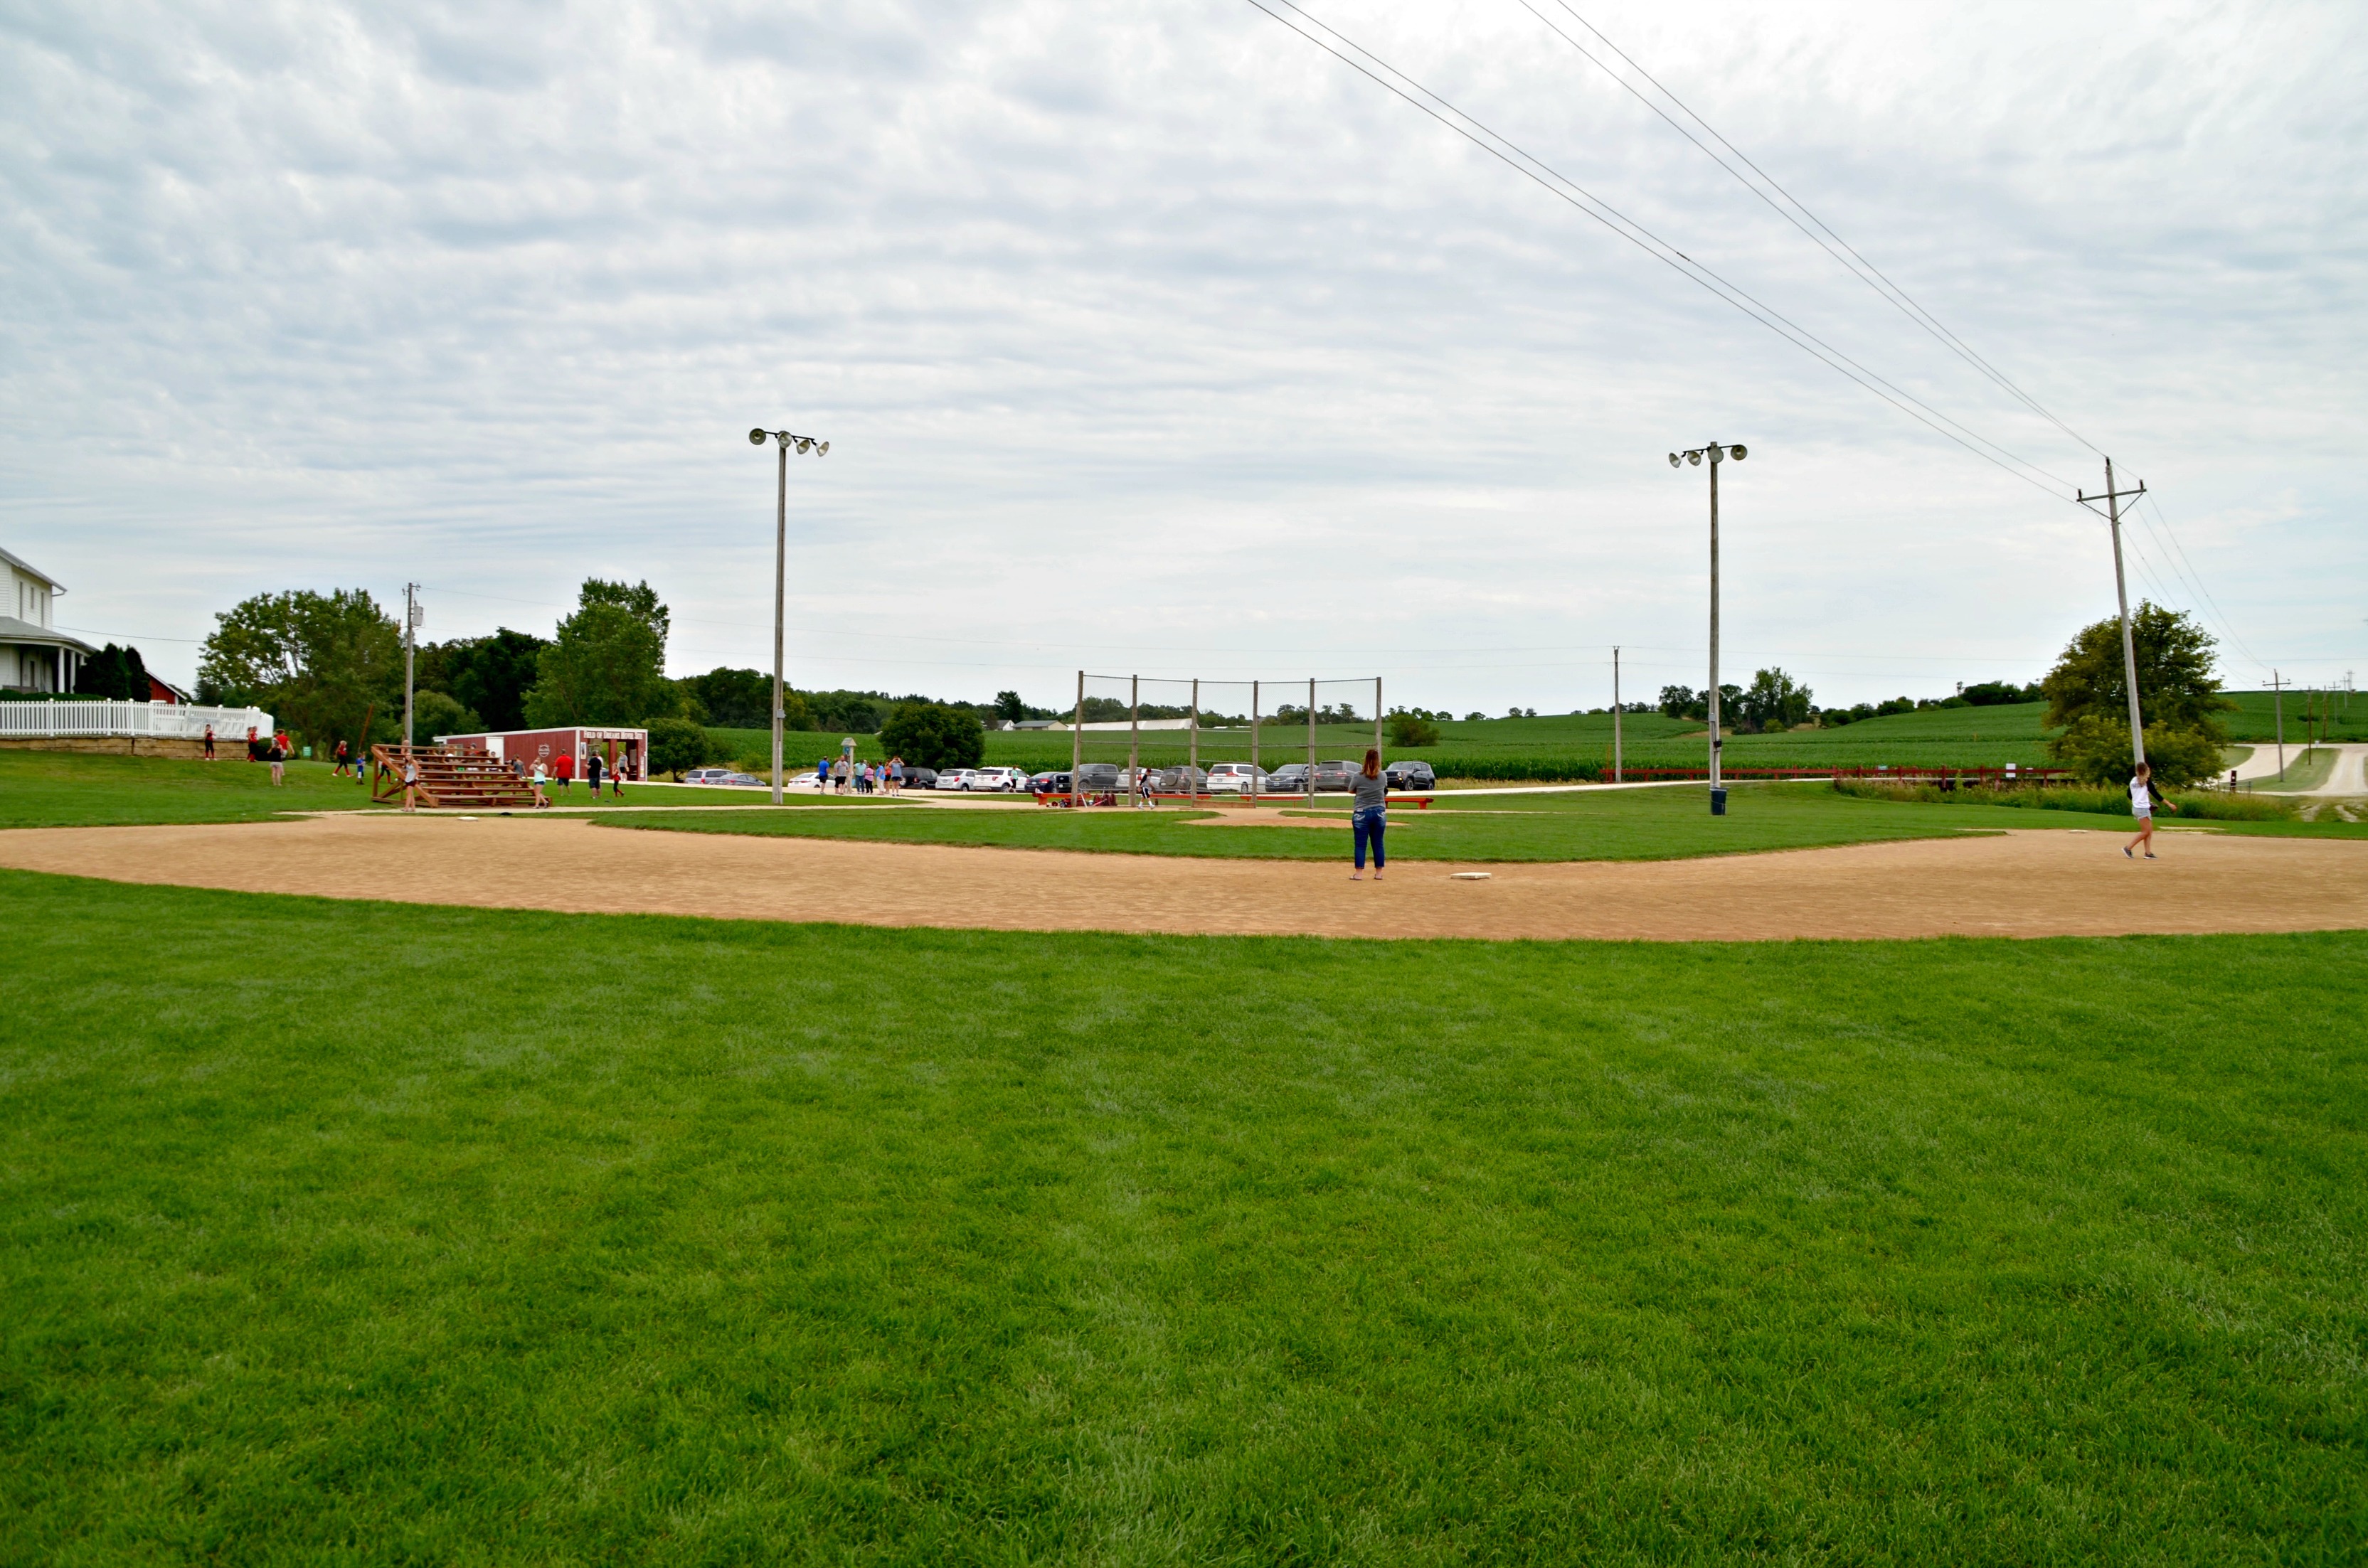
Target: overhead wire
{"x":1854,"y":262}
{"x":1514,"y":156}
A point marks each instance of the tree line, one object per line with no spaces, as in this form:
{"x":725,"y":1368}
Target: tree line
{"x":329,"y":667}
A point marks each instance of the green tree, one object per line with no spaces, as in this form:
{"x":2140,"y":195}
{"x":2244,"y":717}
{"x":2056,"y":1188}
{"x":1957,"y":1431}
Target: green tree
{"x":1008,"y":708}
{"x":2178,"y":699}
{"x":1406,"y":730}
{"x":113,"y":671}
{"x":934,"y":734}
{"x":488,"y":675}
{"x":321,"y":662}
{"x":608,"y":663}
{"x":1774,"y":699}
{"x":435,"y":714}
{"x":742,"y":700}
{"x":677,"y":745}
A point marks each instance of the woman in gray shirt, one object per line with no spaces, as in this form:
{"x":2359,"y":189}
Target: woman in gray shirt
{"x":1371,"y":815}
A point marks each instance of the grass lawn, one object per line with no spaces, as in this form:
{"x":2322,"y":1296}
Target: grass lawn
{"x":370,"y":1233}
{"x":54,"y":788}
{"x":1636,"y":825}
{"x":51,"y":788}
{"x":2308,"y":714}
{"x":2306,"y":770}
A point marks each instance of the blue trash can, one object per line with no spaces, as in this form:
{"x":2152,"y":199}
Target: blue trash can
{"x":1718,"y":803}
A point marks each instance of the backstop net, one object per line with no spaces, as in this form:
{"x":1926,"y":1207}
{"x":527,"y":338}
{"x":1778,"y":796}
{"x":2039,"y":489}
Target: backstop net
{"x":1170,"y":736}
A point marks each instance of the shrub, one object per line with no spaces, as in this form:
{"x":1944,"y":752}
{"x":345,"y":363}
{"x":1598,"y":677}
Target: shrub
{"x":677,"y":745}
{"x":1406,"y":730}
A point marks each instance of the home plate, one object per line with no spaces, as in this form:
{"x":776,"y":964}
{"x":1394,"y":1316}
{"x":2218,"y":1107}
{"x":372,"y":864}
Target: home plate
{"x":1468,"y":876}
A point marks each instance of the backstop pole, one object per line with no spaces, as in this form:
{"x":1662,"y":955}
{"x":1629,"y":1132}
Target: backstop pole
{"x":1256,"y":791}
{"x":1192,"y":758}
{"x":1309,"y":782}
{"x":1377,"y":712}
{"x":1078,"y":743}
{"x":1135,"y":741}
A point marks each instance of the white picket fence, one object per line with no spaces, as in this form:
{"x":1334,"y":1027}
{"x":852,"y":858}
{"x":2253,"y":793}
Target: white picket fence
{"x":97,"y":719}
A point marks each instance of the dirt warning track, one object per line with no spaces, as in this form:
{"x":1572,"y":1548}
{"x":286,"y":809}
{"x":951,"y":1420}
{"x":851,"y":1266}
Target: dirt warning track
{"x":2037,"y":884}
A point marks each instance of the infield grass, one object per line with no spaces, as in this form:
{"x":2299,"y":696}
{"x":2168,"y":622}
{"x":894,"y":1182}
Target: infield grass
{"x":360,"y":1233}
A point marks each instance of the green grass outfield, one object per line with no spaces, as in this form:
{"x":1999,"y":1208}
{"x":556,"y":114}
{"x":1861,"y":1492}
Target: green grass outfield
{"x":362,"y":1233}
{"x":1610,"y":824}
{"x":1949,"y":737}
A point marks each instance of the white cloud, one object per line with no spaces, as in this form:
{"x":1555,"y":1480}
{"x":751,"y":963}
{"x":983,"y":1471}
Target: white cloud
{"x":1143,"y":332}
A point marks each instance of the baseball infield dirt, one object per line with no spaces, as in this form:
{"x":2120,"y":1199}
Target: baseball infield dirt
{"x":2040,"y":883}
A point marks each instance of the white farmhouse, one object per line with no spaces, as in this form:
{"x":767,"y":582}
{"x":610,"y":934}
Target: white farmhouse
{"x":35,"y":655}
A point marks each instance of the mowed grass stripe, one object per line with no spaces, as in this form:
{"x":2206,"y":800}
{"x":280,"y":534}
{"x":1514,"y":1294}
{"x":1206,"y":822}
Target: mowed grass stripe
{"x":366,"y":1234}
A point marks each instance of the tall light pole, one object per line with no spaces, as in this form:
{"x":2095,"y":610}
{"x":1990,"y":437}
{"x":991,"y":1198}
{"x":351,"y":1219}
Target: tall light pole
{"x":780,"y":568}
{"x":410,"y":643}
{"x":1717,"y":455}
{"x":2113,"y":499}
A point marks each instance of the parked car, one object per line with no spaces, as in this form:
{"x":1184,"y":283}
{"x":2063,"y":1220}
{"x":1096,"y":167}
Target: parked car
{"x":1290,"y":778}
{"x":953,"y":778}
{"x":1100,"y":778}
{"x":1004,"y":779}
{"x":1236,"y":779}
{"x":1413,"y":775}
{"x":1336,"y":778}
{"x":708,"y":775}
{"x":920,"y":778}
{"x":1182,"y":779}
{"x":1051,"y":783}
{"x":742,"y":779}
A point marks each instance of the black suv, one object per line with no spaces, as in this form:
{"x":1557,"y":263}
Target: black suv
{"x":1410,"y":775}
{"x":1100,"y":778}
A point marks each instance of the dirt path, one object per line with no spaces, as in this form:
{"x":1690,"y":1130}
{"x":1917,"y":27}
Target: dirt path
{"x":2039,"y":883}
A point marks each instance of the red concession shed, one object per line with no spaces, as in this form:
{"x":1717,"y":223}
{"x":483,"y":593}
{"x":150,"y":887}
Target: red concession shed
{"x":619,"y":750}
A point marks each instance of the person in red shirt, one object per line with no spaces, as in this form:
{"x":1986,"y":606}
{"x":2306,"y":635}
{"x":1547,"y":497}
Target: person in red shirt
{"x":567,"y":769}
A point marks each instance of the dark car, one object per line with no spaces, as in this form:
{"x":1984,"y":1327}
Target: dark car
{"x":1290,"y":778}
{"x":1412,"y":775}
{"x":1051,"y":783}
{"x":1335,"y":778}
{"x":1100,"y":778}
{"x":1182,"y":779}
{"x":920,"y":778}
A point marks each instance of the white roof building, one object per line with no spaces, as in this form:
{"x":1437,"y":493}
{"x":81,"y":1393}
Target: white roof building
{"x":35,"y":655}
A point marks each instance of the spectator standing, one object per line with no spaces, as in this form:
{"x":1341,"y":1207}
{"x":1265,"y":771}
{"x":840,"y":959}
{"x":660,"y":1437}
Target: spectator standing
{"x":1371,"y":815}
{"x":566,"y":770}
{"x":410,"y":782}
{"x":209,"y":743}
{"x":896,"y":775}
{"x":279,"y":762}
{"x":839,"y":774}
{"x":592,"y":772}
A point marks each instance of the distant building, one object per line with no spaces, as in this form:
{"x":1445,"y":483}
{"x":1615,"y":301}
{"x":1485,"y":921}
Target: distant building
{"x":35,"y":655}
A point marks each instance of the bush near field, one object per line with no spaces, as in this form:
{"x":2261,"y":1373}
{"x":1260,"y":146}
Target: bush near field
{"x":2104,"y":803}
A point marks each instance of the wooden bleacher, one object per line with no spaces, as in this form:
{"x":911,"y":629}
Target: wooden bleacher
{"x":450,"y":780}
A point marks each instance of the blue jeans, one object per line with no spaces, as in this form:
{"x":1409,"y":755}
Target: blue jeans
{"x":1367,"y":824}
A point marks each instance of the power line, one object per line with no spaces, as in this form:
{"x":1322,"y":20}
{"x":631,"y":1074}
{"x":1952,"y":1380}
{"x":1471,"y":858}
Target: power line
{"x":1854,"y":262}
{"x":1561,"y":186}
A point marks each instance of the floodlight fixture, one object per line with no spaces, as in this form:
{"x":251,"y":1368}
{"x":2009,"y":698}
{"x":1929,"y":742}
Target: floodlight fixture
{"x":1736,"y":453}
{"x":1673,"y":460}
{"x":1718,"y":454}
{"x":756,"y":438}
{"x":1694,"y":458}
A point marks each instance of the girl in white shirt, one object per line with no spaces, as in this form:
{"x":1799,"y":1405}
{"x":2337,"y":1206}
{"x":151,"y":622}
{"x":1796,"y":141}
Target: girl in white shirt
{"x":2142,"y":801}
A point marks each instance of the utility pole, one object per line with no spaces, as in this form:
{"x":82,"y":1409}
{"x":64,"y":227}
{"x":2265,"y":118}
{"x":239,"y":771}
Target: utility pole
{"x":2278,"y":689}
{"x":410,"y":647}
{"x":1078,"y":743}
{"x":1615,"y":714}
{"x":2113,"y":500}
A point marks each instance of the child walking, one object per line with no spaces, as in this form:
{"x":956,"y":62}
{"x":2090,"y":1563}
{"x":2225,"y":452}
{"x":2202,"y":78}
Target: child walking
{"x":2143,"y":799}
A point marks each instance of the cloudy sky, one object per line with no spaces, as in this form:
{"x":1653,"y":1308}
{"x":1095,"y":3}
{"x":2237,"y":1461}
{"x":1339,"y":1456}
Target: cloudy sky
{"x":1152,"y":337}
